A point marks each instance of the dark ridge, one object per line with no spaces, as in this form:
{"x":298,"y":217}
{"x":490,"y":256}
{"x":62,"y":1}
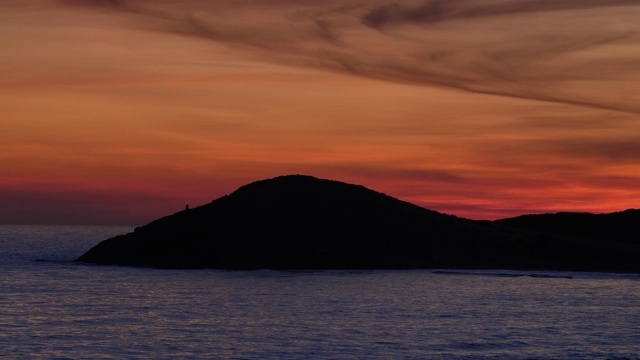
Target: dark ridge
{"x":301,"y":222}
{"x":623,"y":226}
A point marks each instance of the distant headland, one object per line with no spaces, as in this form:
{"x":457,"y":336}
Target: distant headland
{"x":302,"y":222}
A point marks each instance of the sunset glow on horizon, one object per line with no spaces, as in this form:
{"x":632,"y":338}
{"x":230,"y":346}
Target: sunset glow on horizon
{"x":120,"y":112}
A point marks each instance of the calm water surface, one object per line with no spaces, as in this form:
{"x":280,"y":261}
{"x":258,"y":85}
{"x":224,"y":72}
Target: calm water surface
{"x":51,"y":308}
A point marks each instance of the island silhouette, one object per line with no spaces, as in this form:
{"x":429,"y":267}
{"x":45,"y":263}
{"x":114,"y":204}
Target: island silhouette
{"x":302,"y":222}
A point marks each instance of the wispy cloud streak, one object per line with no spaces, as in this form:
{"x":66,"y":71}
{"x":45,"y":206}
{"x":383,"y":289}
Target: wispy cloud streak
{"x":581,"y":53}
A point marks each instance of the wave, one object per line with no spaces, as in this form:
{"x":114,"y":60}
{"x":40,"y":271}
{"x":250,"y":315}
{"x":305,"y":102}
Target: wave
{"x":503,"y":274}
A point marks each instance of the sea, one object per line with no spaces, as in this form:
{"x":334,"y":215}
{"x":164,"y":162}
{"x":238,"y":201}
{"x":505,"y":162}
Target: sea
{"x":53,"y":308}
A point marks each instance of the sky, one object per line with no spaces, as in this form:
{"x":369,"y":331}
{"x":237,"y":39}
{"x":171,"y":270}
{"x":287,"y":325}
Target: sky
{"x":123,"y":111}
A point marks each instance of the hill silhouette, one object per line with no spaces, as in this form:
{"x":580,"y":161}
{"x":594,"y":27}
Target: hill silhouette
{"x":623,"y":226}
{"x":301,"y":222}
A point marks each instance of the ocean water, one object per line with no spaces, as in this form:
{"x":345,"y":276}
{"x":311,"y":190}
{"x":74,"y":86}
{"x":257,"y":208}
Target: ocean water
{"x":52,"y":308}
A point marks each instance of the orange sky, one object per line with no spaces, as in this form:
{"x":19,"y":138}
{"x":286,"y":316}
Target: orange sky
{"x":124,"y":111}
